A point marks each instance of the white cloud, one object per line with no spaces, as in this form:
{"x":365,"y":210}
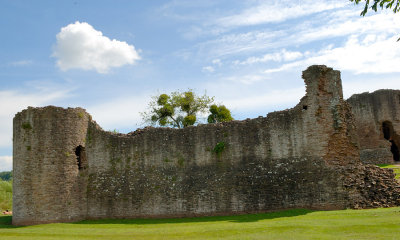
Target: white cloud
{"x":123,"y":112}
{"x":283,"y":55}
{"x":209,"y":69}
{"x":232,"y":44}
{"x":278,"y":11}
{"x":11,"y":102}
{"x":217,"y":62}
{"x":270,"y":100}
{"x":252,"y":13}
{"x":360,"y":54}
{"x":347,"y":22}
{"x":5,"y":163}
{"x":329,"y":26}
{"x":21,"y":63}
{"x":247,"y":79}
{"x":81,"y":46}
{"x":351,"y":87}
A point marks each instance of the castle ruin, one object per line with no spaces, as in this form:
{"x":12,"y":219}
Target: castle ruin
{"x":66,"y":168}
{"x":377,"y":118}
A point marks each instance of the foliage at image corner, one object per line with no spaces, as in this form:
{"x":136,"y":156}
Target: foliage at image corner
{"x":181,"y":109}
{"x":374,"y":4}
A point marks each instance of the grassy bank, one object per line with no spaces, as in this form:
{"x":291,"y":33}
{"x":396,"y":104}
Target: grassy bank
{"x":396,"y":169}
{"x":5,"y":195}
{"x":292,"y":224}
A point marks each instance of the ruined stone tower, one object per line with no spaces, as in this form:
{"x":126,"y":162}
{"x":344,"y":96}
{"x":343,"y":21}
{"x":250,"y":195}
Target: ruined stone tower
{"x":377,"y":117}
{"x":66,"y":168}
{"x":47,"y":181}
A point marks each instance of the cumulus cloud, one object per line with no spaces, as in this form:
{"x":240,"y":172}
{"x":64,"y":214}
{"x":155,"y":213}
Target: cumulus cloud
{"x":5,"y":163}
{"x":80,"y":46}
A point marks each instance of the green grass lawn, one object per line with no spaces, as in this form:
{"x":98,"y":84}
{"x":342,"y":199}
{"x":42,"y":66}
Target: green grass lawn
{"x":383,"y":223}
{"x":5,"y":195}
{"x":396,"y":169}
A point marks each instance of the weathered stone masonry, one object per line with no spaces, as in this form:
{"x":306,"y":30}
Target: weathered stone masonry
{"x":377,"y":118}
{"x":66,"y":168}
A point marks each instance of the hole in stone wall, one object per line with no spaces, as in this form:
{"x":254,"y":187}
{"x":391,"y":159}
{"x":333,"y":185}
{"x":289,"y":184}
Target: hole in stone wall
{"x":395,"y":150}
{"x":390,"y":135}
{"x":305,"y":107}
{"x":80,"y":156}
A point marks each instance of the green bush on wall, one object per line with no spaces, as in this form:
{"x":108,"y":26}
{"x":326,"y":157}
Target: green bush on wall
{"x":219,"y":148}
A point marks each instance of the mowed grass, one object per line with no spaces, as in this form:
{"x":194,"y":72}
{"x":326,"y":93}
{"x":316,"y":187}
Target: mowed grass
{"x":381,"y":223}
{"x":396,"y":169}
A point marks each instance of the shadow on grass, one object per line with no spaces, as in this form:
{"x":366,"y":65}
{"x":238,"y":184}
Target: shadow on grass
{"x":235,"y":218}
{"x":5,"y":222}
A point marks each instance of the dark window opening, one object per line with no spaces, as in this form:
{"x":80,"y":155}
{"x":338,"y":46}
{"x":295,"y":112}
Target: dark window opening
{"x":305,"y":107}
{"x":390,"y":135}
{"x":395,"y":150}
{"x":387,"y":128}
{"x":80,"y":156}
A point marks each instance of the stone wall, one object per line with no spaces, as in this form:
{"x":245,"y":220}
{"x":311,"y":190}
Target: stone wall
{"x":66,"y":168}
{"x":376,"y":113}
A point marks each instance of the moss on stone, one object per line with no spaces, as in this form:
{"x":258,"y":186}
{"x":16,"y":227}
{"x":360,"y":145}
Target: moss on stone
{"x":181,"y":161}
{"x":27,"y":126}
{"x":219,"y":148}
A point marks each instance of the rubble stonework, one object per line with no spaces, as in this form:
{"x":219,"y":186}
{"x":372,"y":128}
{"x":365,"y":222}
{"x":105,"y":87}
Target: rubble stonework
{"x":66,"y":168}
{"x":374,"y":114}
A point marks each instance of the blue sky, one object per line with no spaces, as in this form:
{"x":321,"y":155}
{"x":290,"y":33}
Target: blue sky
{"x":110,"y":57}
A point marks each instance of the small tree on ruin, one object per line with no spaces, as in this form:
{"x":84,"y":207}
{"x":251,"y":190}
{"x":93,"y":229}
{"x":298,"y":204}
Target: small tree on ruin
{"x":177,"y":109}
{"x":219,"y":114}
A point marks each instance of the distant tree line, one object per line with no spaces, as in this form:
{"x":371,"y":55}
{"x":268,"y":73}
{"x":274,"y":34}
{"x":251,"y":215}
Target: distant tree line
{"x":6,"y":176}
{"x":5,"y":191}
